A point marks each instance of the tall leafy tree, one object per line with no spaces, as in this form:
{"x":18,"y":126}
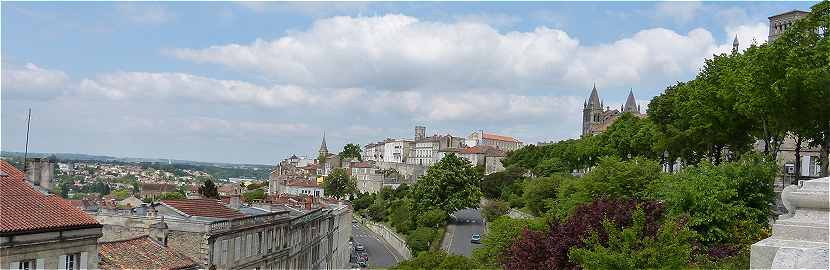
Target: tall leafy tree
{"x":209,"y":190}
{"x":450,"y":185}
{"x":351,"y":151}
{"x":339,"y":184}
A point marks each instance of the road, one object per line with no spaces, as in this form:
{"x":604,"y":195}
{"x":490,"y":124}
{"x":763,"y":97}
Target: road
{"x":465,"y":223}
{"x":381,"y":255}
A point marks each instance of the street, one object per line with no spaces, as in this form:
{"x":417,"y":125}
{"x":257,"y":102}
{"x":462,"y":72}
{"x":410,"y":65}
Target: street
{"x":466,"y":223}
{"x":381,"y":255}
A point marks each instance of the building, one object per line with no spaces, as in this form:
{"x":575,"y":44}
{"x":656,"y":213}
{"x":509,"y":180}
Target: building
{"x":219,"y":237}
{"x":426,"y":149}
{"x":150,"y":190}
{"x":596,"y":119}
{"x":301,"y":186}
{"x":142,"y":252}
{"x":504,"y":143}
{"x":40,"y":231}
{"x":779,"y":23}
{"x":483,"y":155}
{"x":397,"y":151}
{"x":367,"y":177}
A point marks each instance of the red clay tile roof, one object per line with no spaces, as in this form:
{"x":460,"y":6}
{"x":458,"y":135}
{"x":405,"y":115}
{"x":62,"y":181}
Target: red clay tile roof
{"x":472,"y":150}
{"x":23,"y":209}
{"x":161,"y":187}
{"x":364,"y":164}
{"x":203,"y":208}
{"x":141,"y":253}
{"x":490,"y":136}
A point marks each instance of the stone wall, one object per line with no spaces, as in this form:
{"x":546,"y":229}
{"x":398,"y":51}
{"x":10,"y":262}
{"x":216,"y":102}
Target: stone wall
{"x":393,"y":239}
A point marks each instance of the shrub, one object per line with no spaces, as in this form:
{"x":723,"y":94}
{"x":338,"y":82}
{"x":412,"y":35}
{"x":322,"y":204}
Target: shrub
{"x":377,"y":211}
{"x":549,"y":249}
{"x":494,"y":209}
{"x":400,"y":216}
{"x":433,"y":218}
{"x":250,"y":196}
{"x":611,"y":178}
{"x":500,"y":235}
{"x":420,"y":239}
{"x":538,"y":191}
{"x":436,"y":260}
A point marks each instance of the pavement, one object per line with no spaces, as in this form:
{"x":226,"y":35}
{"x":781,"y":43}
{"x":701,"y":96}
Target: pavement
{"x":463,"y":224}
{"x":381,"y":255}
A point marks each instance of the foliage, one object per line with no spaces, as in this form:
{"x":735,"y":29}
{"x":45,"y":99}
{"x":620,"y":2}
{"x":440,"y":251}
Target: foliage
{"x":433,"y":218}
{"x":450,"y":185}
{"x":718,"y":198}
{"x":377,"y":211}
{"x":254,"y":195}
{"x":339,"y":184}
{"x":539,"y":191}
{"x":363,"y":200}
{"x":254,"y":186}
{"x":400,"y":216}
{"x":419,"y":239}
{"x":500,"y":235}
{"x":494,"y":184}
{"x":494,"y":209}
{"x":208,"y":189}
{"x":351,"y":151}
{"x":436,"y":260}
{"x":171,"y":196}
{"x":611,"y":178}
{"x":121,"y":194}
{"x":632,"y":248}
{"x":549,"y":249}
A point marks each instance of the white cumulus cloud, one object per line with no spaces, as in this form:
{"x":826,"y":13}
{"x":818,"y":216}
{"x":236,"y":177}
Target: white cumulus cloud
{"x":32,"y":81}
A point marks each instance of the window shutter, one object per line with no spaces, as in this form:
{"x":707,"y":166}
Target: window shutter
{"x":62,"y":262}
{"x":14,"y":265}
{"x":83,"y":265}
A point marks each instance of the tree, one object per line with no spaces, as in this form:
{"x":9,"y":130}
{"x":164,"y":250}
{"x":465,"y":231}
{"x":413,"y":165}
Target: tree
{"x":171,"y":196}
{"x":400,"y":215}
{"x":433,"y":218}
{"x":494,"y":184}
{"x":539,"y":191}
{"x":450,"y":185}
{"x":436,"y":260}
{"x":351,"y":151}
{"x":338,"y":184}
{"x":494,"y":209}
{"x":501,"y":233}
{"x":254,"y":195}
{"x":121,"y":194}
{"x":419,"y":239}
{"x":208,"y":189}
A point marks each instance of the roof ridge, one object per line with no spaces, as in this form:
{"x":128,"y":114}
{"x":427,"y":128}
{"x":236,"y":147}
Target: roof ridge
{"x":125,"y":240}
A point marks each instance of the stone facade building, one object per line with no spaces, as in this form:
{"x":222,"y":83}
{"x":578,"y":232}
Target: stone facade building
{"x":779,"y":23}
{"x":218,"y":237}
{"x":596,"y":119}
{"x":40,"y":231}
{"x":501,"y":142}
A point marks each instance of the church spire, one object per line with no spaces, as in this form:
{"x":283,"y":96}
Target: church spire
{"x":631,"y":103}
{"x":594,"y":101}
{"x":735,"y":45}
{"x":324,"y":151}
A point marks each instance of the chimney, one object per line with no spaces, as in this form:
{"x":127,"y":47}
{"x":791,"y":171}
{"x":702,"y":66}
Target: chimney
{"x":158,"y":232}
{"x":235,"y":203}
{"x":309,"y":202}
{"x":41,"y":172}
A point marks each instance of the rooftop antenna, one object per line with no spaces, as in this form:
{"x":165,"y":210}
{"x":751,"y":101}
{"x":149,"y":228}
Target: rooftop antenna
{"x":26,"y":149}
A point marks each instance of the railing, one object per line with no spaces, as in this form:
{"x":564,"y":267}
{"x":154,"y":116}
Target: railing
{"x":223,"y":225}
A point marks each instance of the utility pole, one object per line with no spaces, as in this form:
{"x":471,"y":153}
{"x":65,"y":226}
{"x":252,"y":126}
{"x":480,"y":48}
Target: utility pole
{"x":26,"y":149}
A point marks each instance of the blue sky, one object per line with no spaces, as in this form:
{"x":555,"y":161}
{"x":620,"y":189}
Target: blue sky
{"x":255,"y":82}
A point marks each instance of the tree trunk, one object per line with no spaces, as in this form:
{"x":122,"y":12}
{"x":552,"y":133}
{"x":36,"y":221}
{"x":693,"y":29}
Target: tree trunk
{"x":767,"y":138}
{"x":797,"y":159}
{"x":716,"y":154}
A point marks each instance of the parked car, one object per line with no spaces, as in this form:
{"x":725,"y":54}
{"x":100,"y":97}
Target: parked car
{"x":359,"y":247}
{"x":476,"y":238}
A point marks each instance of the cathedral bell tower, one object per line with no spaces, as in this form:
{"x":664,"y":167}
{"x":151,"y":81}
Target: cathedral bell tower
{"x":591,"y":112}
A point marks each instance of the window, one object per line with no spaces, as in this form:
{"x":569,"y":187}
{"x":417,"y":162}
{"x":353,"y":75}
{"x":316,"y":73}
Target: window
{"x":27,"y":265}
{"x":72,"y":261}
{"x":224,"y":258}
{"x":237,"y":245}
{"x":249,"y":245}
{"x":259,"y":243}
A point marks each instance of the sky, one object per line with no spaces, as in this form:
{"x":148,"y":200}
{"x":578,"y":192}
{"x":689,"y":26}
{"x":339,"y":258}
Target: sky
{"x":254,"y":82}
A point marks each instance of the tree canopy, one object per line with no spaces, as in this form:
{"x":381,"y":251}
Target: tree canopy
{"x":351,"y":151}
{"x":450,"y":184}
{"x":339,"y":184}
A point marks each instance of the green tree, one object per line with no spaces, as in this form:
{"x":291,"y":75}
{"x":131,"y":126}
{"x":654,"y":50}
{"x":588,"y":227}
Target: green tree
{"x":338,"y":184}
{"x":494,"y":184}
{"x":254,"y":195}
{"x":494,"y":209}
{"x":121,"y":194}
{"x":400,"y":216}
{"x":208,"y":189}
{"x":171,"y":196}
{"x":351,"y":151}
{"x":433,"y":218}
{"x":419,"y":239}
{"x":436,"y":260}
{"x":450,"y":185}
{"x":500,"y":235}
{"x":539,"y":192}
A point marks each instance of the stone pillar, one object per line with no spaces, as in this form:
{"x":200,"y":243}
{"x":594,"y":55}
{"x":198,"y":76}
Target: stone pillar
{"x":799,"y":237}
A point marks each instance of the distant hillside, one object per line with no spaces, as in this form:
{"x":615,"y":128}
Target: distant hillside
{"x":86,"y":157}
